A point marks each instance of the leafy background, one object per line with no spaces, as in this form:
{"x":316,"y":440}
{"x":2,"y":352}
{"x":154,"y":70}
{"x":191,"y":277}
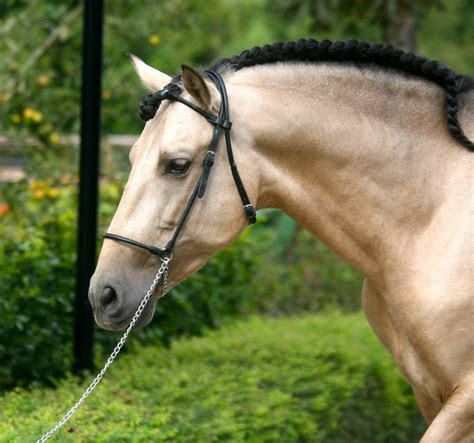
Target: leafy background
{"x":40,"y":64}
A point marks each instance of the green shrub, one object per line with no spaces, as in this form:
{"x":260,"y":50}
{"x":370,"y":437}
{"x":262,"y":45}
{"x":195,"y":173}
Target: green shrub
{"x":37,"y":274}
{"x":37,"y":284}
{"x":299,"y":273}
{"x":322,"y":378}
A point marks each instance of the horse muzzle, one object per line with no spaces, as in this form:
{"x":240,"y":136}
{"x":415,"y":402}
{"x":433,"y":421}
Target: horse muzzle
{"x":114,"y":310}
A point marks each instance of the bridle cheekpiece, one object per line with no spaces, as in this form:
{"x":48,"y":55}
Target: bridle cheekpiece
{"x":148,"y":108}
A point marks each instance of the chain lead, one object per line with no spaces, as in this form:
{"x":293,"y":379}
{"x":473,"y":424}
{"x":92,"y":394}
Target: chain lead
{"x":162,"y":272}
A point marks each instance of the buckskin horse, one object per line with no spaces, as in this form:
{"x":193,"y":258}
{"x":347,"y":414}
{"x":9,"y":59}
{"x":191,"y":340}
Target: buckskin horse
{"x":366,"y":146}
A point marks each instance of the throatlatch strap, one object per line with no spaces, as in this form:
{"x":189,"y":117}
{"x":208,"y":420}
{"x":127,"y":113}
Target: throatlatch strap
{"x":247,"y":206}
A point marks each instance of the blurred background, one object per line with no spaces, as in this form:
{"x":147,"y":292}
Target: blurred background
{"x":276,"y":269}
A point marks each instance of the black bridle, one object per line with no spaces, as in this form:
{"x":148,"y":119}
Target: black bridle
{"x":221,"y":124}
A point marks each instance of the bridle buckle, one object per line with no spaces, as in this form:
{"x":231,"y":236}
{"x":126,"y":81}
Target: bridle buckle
{"x":250,"y":213}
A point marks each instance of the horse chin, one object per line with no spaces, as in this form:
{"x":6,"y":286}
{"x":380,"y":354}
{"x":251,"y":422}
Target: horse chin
{"x":147,"y":316}
{"x":121,"y":324}
{"x":181,"y":271}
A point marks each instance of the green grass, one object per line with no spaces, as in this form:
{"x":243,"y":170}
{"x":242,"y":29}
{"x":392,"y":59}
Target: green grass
{"x":319,"y":378}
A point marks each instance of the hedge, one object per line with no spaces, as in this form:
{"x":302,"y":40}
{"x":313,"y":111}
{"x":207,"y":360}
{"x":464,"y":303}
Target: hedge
{"x":37,"y":270}
{"x":317,"y":378}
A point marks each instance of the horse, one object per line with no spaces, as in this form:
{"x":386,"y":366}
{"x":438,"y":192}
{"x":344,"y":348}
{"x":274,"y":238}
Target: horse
{"x":365,"y":146}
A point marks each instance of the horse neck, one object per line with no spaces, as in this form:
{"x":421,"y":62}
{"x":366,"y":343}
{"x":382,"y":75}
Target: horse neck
{"x":353,"y":155}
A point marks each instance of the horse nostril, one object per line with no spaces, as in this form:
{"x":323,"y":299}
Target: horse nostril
{"x":108,"y":297}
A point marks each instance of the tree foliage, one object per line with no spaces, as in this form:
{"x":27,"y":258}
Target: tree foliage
{"x":40,"y":55}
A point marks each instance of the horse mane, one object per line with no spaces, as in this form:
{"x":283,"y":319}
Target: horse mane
{"x":362,"y":53}
{"x":467,"y":83}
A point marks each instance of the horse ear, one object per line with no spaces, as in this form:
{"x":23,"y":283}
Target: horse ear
{"x":150,"y":77}
{"x":203,"y":92}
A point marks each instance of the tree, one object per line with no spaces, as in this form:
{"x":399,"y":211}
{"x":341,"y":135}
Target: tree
{"x":396,"y":20}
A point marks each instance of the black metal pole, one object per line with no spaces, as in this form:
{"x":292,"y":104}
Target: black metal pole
{"x":89,"y":175}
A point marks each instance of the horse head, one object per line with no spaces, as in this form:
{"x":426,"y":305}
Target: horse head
{"x":167,"y":168}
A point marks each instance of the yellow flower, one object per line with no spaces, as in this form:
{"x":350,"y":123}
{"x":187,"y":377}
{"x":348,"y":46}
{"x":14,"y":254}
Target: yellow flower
{"x":31,"y":114}
{"x":37,"y":117}
{"x":28,"y":113}
{"x":53,"y":192}
{"x":33,"y":184}
{"x":154,"y":39}
{"x":106,"y":95}
{"x":43,"y":80}
{"x":65,"y":179}
{"x":37,"y":185}
{"x":54,"y":138}
{"x":39,"y":193}
{"x":16,"y":118}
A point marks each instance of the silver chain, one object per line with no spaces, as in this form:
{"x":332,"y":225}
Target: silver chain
{"x":162,"y":272}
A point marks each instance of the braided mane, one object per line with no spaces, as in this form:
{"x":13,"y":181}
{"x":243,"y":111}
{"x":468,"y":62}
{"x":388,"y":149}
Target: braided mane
{"x":362,"y":52}
{"x":350,"y":51}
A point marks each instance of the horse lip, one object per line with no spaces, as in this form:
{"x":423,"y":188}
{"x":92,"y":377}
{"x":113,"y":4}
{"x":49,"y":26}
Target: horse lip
{"x":111,"y":322}
{"x":122,"y":322}
{"x":107,"y":325}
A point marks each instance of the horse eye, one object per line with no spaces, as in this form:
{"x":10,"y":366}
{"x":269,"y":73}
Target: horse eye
{"x":178,"y":166}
